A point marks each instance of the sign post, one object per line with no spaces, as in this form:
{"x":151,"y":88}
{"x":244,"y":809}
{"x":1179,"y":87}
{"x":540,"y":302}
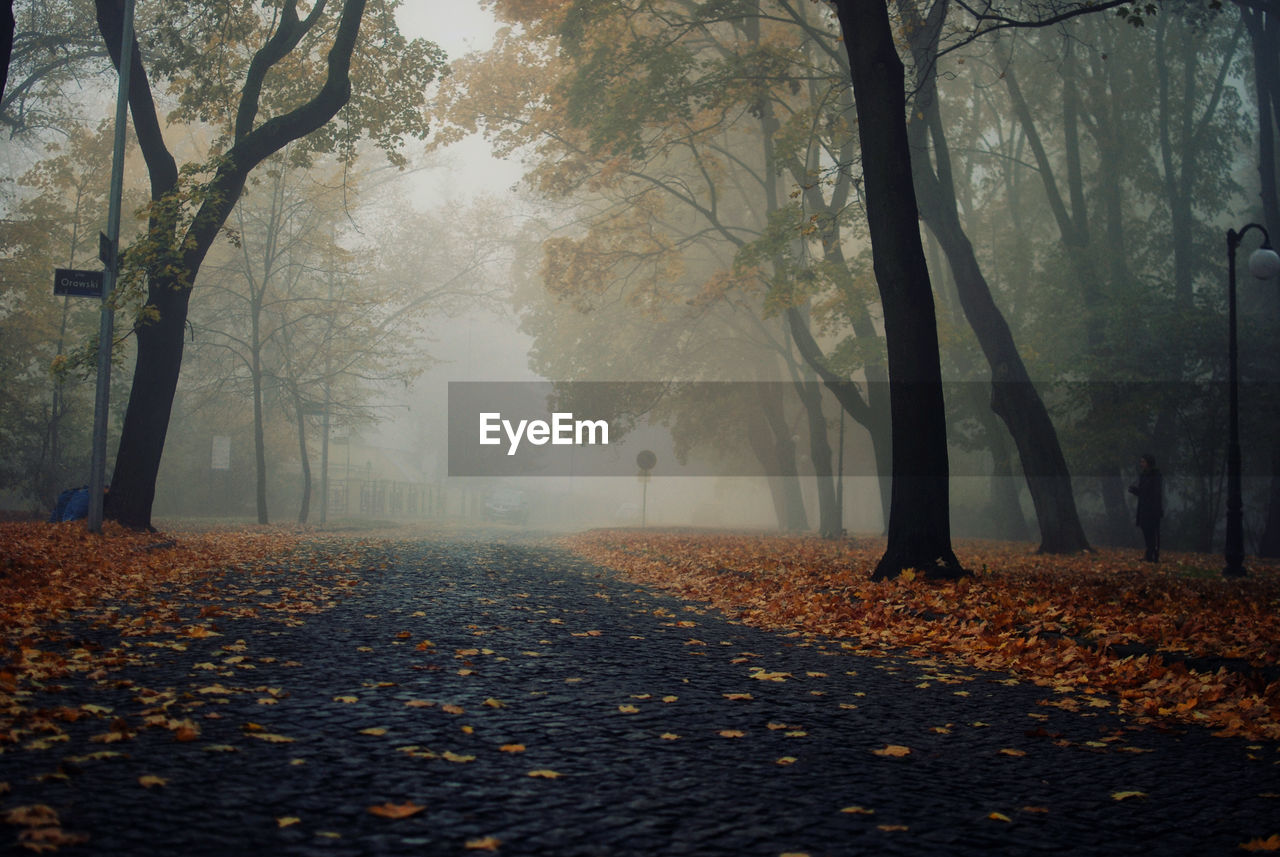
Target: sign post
{"x":109,"y":250}
{"x":646,"y":461}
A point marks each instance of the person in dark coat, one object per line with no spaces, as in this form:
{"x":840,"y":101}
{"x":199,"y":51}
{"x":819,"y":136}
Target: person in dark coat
{"x":1150,"y":491}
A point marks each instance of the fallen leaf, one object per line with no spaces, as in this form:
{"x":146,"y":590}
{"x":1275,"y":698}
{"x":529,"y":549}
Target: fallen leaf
{"x":893,"y":750}
{"x":669,"y":736}
{"x":287,"y":821}
{"x":270,"y":737}
{"x":484,"y":843}
{"x":1125,"y":795}
{"x":765,"y":675}
{"x":787,"y":760}
{"x":731,"y":733}
{"x":345,"y":698}
{"x":460,"y":758}
{"x":512,"y":748}
{"x":453,"y":709}
{"x":374,"y":730}
{"x":999,"y":816}
{"x":1010,"y":751}
{"x":544,"y":774}
{"x":396,"y":810}
{"x":1271,"y":843}
{"x":628,"y":709}
{"x":858,"y":810}
{"x":149,"y":780}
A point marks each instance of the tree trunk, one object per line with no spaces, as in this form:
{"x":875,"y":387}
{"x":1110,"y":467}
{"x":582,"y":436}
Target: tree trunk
{"x":146,"y":417}
{"x":771,"y":445}
{"x":1013,"y":396}
{"x":919,"y":509}
{"x":259,"y":436}
{"x":304,"y":508}
{"x":7,"y":27}
{"x":829,"y":525}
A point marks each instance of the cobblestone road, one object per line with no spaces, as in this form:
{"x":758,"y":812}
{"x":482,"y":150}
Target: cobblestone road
{"x":533,"y":704}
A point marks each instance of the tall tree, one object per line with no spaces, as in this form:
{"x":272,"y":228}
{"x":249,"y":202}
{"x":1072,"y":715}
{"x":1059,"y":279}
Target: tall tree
{"x":1013,"y":395}
{"x":282,"y":91}
{"x":919,"y":512}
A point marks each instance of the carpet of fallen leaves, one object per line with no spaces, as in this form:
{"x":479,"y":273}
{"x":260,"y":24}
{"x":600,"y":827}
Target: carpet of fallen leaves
{"x":148,"y":590}
{"x":1166,"y":644}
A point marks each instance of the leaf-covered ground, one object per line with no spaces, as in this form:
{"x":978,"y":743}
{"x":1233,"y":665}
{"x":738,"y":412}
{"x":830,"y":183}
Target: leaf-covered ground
{"x":138,"y":589}
{"x":412,"y":687}
{"x":1172,"y":643}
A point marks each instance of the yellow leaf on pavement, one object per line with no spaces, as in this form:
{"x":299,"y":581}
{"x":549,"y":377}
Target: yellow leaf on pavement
{"x":1125,"y":795}
{"x":396,"y":810}
{"x":271,"y":737}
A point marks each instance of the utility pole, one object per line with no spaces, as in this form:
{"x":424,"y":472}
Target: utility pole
{"x":109,"y":251}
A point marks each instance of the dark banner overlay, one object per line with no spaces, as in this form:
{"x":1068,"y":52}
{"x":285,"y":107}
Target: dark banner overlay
{"x":563,"y":429}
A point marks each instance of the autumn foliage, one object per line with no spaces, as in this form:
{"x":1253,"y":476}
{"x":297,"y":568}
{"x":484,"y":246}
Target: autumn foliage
{"x":1164,"y":644}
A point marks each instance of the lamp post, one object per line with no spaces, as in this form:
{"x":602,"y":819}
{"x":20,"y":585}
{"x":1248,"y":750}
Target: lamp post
{"x":1263,"y":264}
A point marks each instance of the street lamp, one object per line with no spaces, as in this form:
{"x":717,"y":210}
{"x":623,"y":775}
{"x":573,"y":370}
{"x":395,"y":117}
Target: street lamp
{"x":1263,"y":264}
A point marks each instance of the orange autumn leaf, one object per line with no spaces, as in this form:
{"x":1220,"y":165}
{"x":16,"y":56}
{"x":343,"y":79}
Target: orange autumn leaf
{"x":893,"y":750}
{"x":1271,"y":843}
{"x":483,"y":843}
{"x":396,"y":810}
{"x":544,"y":774}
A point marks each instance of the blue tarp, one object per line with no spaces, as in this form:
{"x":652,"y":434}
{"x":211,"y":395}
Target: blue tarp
{"x":72,"y":505}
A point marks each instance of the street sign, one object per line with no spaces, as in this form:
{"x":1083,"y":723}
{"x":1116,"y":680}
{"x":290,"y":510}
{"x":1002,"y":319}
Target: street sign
{"x":84,"y":284}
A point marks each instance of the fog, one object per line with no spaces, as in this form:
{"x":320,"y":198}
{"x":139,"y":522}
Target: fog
{"x":673,"y":249}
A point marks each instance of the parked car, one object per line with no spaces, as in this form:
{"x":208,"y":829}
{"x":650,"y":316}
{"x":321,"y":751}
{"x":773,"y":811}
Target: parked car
{"x":507,"y":505}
